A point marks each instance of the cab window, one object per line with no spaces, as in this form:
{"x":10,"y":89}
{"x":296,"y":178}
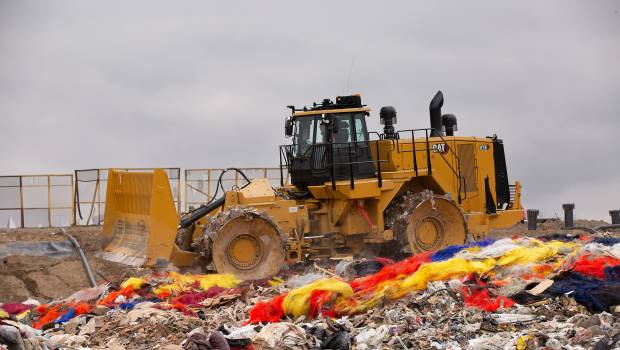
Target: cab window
{"x":351,"y":127}
{"x":303,"y":135}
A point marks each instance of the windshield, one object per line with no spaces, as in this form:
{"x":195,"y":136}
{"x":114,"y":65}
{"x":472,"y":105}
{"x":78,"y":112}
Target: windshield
{"x":303,"y":135}
{"x":310,"y":131}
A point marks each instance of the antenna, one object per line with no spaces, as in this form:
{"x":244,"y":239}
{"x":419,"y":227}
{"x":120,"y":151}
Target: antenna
{"x":346,"y":91}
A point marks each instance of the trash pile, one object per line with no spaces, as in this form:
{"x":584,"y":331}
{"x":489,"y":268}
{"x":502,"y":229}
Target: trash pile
{"x":524,"y":293}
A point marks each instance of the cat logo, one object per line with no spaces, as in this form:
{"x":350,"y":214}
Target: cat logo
{"x":440,"y":148}
{"x":484,"y":147}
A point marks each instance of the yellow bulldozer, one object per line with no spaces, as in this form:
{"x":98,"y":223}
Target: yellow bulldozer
{"x":351,"y":192}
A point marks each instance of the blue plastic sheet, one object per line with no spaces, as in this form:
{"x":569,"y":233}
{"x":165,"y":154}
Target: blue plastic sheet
{"x":130,"y":304}
{"x":608,"y":241}
{"x":596,"y":295}
{"x":612,"y":273}
{"x":66,"y":317}
{"x":449,"y":252}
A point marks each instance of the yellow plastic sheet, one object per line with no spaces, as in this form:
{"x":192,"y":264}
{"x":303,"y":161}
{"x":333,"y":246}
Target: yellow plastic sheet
{"x":445,"y":270}
{"x":134,"y":282}
{"x":222,"y":281}
{"x":541,"y":251}
{"x":182,"y":282}
{"x":296,"y":303}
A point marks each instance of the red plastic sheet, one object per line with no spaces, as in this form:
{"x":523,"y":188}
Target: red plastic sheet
{"x":389,"y":272}
{"x":594,"y":267}
{"x":193,"y":299}
{"x":267,"y":311}
{"x":318,"y":302}
{"x":47,"y":315}
{"x":480,"y":299}
{"x":16,"y":308}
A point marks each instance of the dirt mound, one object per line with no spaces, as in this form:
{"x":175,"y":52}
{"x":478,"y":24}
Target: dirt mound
{"x":45,"y":278}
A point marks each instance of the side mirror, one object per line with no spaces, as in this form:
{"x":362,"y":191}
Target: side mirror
{"x":288,"y":127}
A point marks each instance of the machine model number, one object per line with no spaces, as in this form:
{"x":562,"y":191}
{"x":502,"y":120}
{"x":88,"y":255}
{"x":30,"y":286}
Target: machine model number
{"x":484,"y":147}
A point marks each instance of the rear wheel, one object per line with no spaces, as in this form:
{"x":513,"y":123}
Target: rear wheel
{"x":426,"y":222}
{"x":246,"y":244}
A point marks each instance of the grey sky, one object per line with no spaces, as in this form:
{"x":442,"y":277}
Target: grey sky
{"x":205,"y":84}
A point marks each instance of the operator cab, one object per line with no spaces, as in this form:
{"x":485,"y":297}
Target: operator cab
{"x":329,"y":140}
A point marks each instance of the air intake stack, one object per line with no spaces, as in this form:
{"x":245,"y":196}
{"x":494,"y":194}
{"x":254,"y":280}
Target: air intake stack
{"x":435,"y":113}
{"x":442,"y":125}
{"x":387,"y":117}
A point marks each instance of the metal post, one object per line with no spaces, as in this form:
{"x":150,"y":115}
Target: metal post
{"x":532,"y":217}
{"x":281,"y":170}
{"x":413,"y":150}
{"x":429,"y":167}
{"x":72,"y":196}
{"x":21,"y":200}
{"x":332,"y":170}
{"x":351,"y":166}
{"x":208,"y":185}
{"x":179,"y":191}
{"x":615,"y":217}
{"x":185,"y":188}
{"x":76,"y":201}
{"x":379,"y":166}
{"x":98,"y":189}
{"x":568,"y":214}
{"x":49,"y":201}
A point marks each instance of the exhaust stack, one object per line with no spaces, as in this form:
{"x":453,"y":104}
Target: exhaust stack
{"x":435,"y":114}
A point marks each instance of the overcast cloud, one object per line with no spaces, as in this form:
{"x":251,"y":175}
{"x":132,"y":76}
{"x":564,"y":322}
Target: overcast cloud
{"x":205,"y":84}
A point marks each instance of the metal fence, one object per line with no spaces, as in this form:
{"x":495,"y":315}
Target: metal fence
{"x":200,"y":184}
{"x":36,"y":200}
{"x":90,"y":190}
{"x":56,"y":200}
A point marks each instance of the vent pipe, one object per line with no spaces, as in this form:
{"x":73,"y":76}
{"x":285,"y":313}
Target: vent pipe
{"x":435,"y":113}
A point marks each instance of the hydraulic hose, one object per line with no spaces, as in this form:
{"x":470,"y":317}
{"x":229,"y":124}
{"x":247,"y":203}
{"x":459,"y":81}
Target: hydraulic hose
{"x":194,"y":215}
{"x":76,"y":245}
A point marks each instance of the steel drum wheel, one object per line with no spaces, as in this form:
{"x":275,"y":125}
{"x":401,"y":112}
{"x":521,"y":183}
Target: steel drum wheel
{"x":434,"y":224}
{"x":248,"y":246}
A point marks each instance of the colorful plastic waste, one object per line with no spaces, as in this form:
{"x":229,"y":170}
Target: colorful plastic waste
{"x":502,"y":262}
{"x":312,"y":296}
{"x":489,"y":275}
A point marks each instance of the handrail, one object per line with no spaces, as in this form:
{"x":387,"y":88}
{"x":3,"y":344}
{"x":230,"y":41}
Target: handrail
{"x":350,"y":148}
{"x":332,"y":164}
{"x":458,"y":165}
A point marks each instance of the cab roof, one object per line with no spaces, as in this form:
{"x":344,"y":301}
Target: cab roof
{"x":343,"y":104}
{"x":331,"y":111}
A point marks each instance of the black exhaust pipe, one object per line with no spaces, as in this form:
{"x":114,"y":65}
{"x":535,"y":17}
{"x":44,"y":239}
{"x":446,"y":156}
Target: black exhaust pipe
{"x":435,"y":112}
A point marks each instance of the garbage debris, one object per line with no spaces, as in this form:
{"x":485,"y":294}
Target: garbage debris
{"x":511,"y":293}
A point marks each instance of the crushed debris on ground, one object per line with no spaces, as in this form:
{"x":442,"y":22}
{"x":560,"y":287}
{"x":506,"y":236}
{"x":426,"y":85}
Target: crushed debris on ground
{"x":555,"y":292}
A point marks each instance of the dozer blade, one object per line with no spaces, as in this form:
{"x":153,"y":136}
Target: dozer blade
{"x":140,"y":219}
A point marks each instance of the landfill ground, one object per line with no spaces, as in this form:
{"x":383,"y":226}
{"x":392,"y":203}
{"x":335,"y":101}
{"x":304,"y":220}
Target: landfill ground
{"x":48,"y":304}
{"x":45,"y":278}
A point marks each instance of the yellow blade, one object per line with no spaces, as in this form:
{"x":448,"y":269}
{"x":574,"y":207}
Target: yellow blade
{"x":140,"y":219}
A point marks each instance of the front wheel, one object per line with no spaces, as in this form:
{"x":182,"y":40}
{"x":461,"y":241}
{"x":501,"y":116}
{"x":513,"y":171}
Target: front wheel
{"x":248,"y":245}
{"x":426,"y":222}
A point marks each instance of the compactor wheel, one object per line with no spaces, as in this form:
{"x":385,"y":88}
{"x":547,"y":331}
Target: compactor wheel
{"x":248,"y":245}
{"x":426,"y":222}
